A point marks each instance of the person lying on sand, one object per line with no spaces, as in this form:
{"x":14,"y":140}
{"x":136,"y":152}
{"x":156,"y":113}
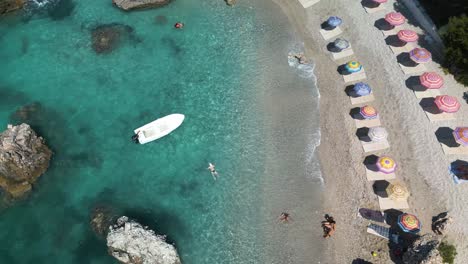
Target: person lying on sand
{"x":329,"y":226}
{"x":300,"y":57}
{"x":284,"y":217}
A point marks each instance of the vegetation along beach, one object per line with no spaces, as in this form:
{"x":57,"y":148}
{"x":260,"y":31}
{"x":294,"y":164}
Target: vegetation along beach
{"x":224,"y":131}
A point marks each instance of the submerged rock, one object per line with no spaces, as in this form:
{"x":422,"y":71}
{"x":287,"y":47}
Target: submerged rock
{"x":23,"y":158}
{"x":230,"y":2}
{"x":139,"y":4}
{"x":106,"y":38}
{"x":10,"y":5}
{"x":131,"y":243}
{"x":423,"y":251}
{"x":102,"y":218}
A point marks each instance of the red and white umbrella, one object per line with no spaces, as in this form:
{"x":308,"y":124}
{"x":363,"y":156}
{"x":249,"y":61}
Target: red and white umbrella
{"x":447,"y":103}
{"x":431,"y":80}
{"x":395,"y":19}
{"x":407,"y":35}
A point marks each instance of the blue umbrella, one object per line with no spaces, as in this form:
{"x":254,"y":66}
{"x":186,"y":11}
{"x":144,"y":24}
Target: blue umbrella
{"x":362,"y":89}
{"x":334,"y":21}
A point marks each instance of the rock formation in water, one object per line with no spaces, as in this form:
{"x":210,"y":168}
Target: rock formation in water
{"x":23,"y":158}
{"x":102,"y":218}
{"x":10,"y":5}
{"x":105,"y":38}
{"x":230,"y":2}
{"x":139,"y":4}
{"x":423,"y":251}
{"x":131,"y":243}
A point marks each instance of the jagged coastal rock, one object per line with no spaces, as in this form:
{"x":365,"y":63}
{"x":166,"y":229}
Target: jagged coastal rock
{"x":23,"y":158}
{"x":131,"y":243}
{"x":139,"y":4}
{"x":10,"y":5}
{"x":424,"y":251}
{"x":230,"y":2}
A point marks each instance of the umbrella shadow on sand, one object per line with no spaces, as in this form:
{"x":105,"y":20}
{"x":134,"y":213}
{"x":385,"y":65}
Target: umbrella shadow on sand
{"x":369,"y":4}
{"x":394,"y":41}
{"x":382,"y":24}
{"x":444,"y":136}
{"x":429,"y":106}
{"x":326,"y":26}
{"x":405,"y":60}
{"x":342,"y":70}
{"x":414,"y":84}
{"x":332,"y":48}
{"x":349,"y":90}
{"x":363,"y":134}
{"x":380,"y":188}
{"x":371,"y":163}
{"x":355,"y":113}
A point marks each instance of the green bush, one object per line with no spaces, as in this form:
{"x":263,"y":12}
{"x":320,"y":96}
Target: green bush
{"x":456,"y":48}
{"x":448,"y":252}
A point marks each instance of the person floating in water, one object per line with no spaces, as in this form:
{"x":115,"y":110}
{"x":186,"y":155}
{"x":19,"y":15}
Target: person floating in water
{"x":284,"y":217}
{"x":329,"y":226}
{"x":179,"y":25}
{"x":212,"y":169}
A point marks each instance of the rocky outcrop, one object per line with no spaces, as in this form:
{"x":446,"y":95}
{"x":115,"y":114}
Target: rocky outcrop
{"x":131,"y":243}
{"x":10,"y":5}
{"x":23,"y":158}
{"x":230,"y":2}
{"x":102,"y":217}
{"x":423,"y":251}
{"x":139,"y":4}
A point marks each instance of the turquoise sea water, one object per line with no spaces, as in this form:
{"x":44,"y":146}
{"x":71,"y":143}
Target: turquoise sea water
{"x":86,"y":106}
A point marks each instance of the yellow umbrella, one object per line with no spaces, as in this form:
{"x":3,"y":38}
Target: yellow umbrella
{"x":397,"y":191}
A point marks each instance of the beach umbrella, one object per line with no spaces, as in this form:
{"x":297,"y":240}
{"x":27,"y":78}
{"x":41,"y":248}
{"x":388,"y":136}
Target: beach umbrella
{"x":368,"y":112}
{"x":447,"y":103}
{"x":353,"y":66}
{"x":341,"y":43}
{"x":334,"y":21}
{"x":362,"y":89}
{"x":395,"y":18}
{"x":431,"y":80}
{"x":420,"y":55}
{"x":461,"y":135}
{"x":380,"y":1}
{"x":407,"y":35}
{"x":409,"y":223}
{"x":386,"y":165}
{"x":377,"y":133}
{"x":397,"y":191}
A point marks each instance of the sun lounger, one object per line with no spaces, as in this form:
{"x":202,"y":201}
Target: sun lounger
{"x":375,"y":146}
{"x":371,"y":10}
{"x":382,"y":231}
{"x":308,"y":3}
{"x":354,"y":77}
{"x":439,"y":116}
{"x":367,"y":122}
{"x":460,"y":150}
{"x":372,"y":215}
{"x":392,"y":31}
{"x":406,"y":48}
{"x":424,"y":93}
{"x":328,"y":34}
{"x":413,"y":70}
{"x":343,"y":54}
{"x":378,"y":176}
{"x":387,"y":203}
{"x":362,"y":99}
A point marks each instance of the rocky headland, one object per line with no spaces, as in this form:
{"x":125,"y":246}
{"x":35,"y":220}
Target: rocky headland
{"x":7,"y":6}
{"x":139,"y":4}
{"x":23,"y":158}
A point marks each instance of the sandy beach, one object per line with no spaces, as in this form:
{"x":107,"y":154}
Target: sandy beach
{"x":423,"y":166}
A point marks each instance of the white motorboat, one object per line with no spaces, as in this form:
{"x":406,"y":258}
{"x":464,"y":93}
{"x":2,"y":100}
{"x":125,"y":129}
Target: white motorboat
{"x":158,"y":128}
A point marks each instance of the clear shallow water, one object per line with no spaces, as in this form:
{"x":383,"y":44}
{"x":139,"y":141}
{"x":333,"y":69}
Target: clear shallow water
{"x":86,"y":106}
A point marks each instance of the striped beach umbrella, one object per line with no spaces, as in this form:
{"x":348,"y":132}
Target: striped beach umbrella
{"x":334,"y":21}
{"x":407,"y":35}
{"x":461,"y":135}
{"x":431,"y":80}
{"x":409,"y":223}
{"x":368,"y":112}
{"x":447,"y":103}
{"x":380,"y":1}
{"x":353,"y":66}
{"x":377,"y":133}
{"x":395,"y":18}
{"x":362,"y":89}
{"x":341,"y":43}
{"x":386,"y":164}
{"x":397,"y":191}
{"x":420,"y":55}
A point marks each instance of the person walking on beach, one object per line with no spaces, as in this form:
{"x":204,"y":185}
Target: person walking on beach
{"x":284,"y":217}
{"x":329,"y":226}
{"x":212,"y":169}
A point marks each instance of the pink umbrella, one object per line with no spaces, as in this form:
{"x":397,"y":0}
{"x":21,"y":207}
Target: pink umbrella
{"x":431,"y":80}
{"x":447,"y":103}
{"x":380,"y":1}
{"x":395,"y":19}
{"x":407,"y":35}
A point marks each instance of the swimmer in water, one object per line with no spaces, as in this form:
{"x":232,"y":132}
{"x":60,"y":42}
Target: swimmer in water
{"x":212,"y":169}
